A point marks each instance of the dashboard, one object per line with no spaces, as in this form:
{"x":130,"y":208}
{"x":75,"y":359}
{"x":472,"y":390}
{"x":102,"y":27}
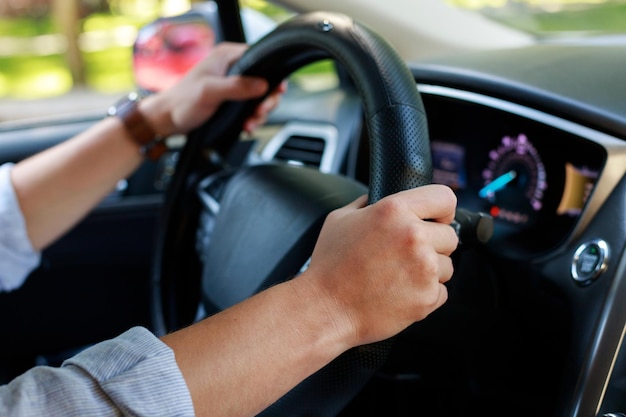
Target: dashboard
{"x":544,"y":155}
{"x":532,"y":171}
{"x":546,"y":164}
{"x":537,"y":151}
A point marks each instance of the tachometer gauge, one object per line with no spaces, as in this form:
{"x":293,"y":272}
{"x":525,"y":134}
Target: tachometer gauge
{"x":514,"y":180}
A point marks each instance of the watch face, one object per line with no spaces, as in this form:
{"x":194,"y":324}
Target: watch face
{"x":137,"y":126}
{"x":125,"y":104}
{"x":121,"y":106}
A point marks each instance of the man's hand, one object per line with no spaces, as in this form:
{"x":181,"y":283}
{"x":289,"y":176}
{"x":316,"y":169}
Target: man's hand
{"x":203,"y":89}
{"x":374,"y":271}
{"x":383,"y":266}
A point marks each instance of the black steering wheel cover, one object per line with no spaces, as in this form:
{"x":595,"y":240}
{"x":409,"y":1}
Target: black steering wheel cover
{"x":399,"y":160}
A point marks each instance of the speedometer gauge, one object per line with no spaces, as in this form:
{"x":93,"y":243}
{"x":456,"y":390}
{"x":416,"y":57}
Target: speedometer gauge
{"x":514,"y":180}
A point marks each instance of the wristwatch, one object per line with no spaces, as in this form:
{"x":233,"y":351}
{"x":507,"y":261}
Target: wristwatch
{"x":127,"y":110}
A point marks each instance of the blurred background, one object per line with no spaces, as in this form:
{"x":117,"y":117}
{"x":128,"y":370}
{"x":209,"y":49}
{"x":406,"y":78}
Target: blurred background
{"x":49,"y":46}
{"x":60,"y":55}
{"x":83,"y":48}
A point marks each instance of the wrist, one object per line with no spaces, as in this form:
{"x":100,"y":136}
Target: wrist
{"x":156,"y":111}
{"x":332,"y":317}
{"x":140,"y":124}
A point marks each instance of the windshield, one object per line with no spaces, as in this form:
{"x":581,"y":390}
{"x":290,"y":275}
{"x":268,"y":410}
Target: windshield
{"x":554,"y":18}
{"x":64,"y":57}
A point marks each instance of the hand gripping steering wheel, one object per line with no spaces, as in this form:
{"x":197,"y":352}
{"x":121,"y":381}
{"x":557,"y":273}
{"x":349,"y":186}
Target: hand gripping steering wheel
{"x":251,"y":251}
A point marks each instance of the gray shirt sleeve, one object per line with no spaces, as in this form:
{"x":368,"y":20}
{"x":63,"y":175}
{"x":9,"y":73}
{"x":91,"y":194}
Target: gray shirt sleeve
{"x":134,"y":374}
{"x":17,"y":256}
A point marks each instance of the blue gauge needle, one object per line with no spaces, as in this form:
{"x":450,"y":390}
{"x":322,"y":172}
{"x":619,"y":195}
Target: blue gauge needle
{"x":497,"y":184}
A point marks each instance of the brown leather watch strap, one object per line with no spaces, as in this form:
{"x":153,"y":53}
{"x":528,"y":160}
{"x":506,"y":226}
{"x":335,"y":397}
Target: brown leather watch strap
{"x":127,"y":110}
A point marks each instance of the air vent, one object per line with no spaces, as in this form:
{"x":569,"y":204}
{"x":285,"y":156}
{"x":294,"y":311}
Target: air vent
{"x":301,"y":143}
{"x":303,"y":150}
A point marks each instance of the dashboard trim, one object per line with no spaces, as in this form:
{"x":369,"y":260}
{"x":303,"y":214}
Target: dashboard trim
{"x":327,"y":132}
{"x":599,"y":364}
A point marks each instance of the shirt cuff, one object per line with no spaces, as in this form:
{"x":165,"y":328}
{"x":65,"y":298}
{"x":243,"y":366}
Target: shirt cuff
{"x":138,"y":373}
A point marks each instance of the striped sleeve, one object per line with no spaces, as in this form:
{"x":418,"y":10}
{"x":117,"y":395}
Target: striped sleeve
{"x":134,"y":374}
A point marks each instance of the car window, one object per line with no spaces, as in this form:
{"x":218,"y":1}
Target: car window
{"x":261,"y":16}
{"x":61,"y":57}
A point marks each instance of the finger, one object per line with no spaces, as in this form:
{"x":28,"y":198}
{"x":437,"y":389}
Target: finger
{"x":443,"y":295}
{"x":282,"y":87}
{"x":441,"y":236}
{"x":430,"y":300}
{"x":266,"y":106}
{"x":224,"y":56}
{"x":251,"y":124}
{"x":358,"y":203}
{"x":259,"y":117}
{"x":446,"y":269}
{"x":238,"y":87}
{"x":231,"y":50}
{"x":433,"y":202}
{"x":270,"y":103}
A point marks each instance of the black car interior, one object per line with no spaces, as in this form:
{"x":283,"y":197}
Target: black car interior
{"x":533,"y":138}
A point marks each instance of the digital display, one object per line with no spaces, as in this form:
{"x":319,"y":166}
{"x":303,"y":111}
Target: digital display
{"x":514,"y":180}
{"x":449,"y":164}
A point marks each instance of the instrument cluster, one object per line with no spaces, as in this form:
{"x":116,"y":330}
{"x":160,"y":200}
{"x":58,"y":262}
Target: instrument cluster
{"x":530,"y":172}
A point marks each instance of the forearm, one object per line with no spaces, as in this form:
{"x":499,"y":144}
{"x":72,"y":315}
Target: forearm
{"x":259,"y":349}
{"x":57,"y":187}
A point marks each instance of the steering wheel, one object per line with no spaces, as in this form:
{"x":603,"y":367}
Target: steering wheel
{"x":250,"y":246}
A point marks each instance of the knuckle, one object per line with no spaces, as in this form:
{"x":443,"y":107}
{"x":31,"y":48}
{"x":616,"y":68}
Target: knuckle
{"x":450,"y":196}
{"x":432,"y":297}
{"x":388,"y":208}
{"x":446,"y":195}
{"x":429,"y":265}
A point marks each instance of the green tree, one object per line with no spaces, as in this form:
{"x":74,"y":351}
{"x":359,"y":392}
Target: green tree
{"x":66,"y":18}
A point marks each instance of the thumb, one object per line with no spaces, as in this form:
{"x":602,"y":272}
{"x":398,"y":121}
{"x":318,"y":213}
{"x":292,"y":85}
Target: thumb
{"x":357,"y":204}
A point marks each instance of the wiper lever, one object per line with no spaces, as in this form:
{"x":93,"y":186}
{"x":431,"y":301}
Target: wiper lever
{"x":472,"y":227}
